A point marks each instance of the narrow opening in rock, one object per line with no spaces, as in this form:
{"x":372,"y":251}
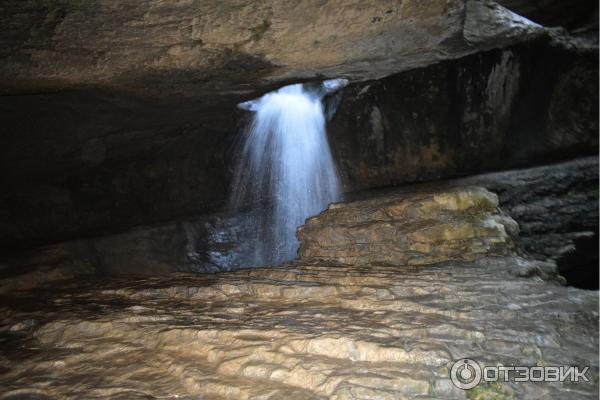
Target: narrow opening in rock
{"x":580,"y":265}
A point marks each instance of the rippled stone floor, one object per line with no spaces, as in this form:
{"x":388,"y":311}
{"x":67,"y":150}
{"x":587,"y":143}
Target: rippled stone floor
{"x":301,"y":331}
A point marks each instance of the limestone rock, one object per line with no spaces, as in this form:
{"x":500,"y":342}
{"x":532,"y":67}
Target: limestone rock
{"x":302,"y":331}
{"x":490,"y":111}
{"x":568,"y":192}
{"x":123,"y":159}
{"x":196,"y":45}
{"x":220,"y":242}
{"x":489,"y":24}
{"x":410,"y":228}
{"x":574,"y":14}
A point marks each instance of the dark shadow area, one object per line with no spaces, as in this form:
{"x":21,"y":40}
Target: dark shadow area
{"x":580,"y":266}
{"x":569,"y":14}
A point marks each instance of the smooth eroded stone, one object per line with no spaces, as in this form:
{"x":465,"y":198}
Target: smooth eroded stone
{"x":306,"y":330}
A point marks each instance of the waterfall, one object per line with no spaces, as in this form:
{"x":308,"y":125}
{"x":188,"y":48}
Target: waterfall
{"x":285,"y":168}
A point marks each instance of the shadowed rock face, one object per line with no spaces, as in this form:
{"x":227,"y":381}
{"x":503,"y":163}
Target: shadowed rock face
{"x":296,"y":332}
{"x":496,"y":110}
{"x":579,"y":263}
{"x":554,"y":205}
{"x":117,"y":116}
{"x":220,"y":242}
{"x":569,"y":14}
{"x":87,"y":162}
{"x":79,"y":163}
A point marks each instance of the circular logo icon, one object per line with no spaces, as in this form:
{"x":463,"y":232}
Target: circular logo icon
{"x":465,"y":374}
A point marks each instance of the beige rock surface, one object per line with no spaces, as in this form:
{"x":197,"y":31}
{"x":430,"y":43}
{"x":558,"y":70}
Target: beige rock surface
{"x":313,"y":329}
{"x":224,"y":44}
{"x":301,"y":331}
{"x":410,"y":228}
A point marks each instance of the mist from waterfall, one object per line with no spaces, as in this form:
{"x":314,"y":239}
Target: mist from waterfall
{"x":285,"y":168}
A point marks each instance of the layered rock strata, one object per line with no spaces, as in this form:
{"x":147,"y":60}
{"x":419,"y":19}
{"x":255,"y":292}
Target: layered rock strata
{"x":219,"y":242}
{"x":531,"y":104}
{"x":410,"y":228}
{"x":301,"y":331}
{"x":199,"y":46}
{"x":117,"y":116}
{"x":554,"y":205}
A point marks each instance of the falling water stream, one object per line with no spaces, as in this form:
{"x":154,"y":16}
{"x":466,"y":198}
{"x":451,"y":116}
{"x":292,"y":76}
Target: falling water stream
{"x":285,"y":167}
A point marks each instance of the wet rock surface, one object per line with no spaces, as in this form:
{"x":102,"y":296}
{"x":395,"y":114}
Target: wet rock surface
{"x":223,"y":242}
{"x":410,"y":228}
{"x":383,"y":327}
{"x":304,"y":330}
{"x":568,"y":192}
{"x":120,"y":116}
{"x":119,"y":128}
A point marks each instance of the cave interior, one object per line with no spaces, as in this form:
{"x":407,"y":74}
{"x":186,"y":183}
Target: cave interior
{"x":460,"y":136}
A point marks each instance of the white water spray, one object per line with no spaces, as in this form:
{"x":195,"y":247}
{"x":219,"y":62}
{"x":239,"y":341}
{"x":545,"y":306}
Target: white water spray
{"x":285,"y":167}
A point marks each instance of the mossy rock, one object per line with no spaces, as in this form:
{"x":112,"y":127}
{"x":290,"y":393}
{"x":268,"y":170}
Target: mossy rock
{"x":491,"y":391}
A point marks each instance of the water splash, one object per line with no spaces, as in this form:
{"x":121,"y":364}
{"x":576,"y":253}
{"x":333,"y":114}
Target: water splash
{"x":285,"y":167}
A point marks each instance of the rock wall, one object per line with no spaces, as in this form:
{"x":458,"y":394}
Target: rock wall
{"x":491,"y":111}
{"x":122,"y":116}
{"x":569,"y":14}
{"x":553,"y":205}
{"x":220,"y":242}
{"x":82,"y":163}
